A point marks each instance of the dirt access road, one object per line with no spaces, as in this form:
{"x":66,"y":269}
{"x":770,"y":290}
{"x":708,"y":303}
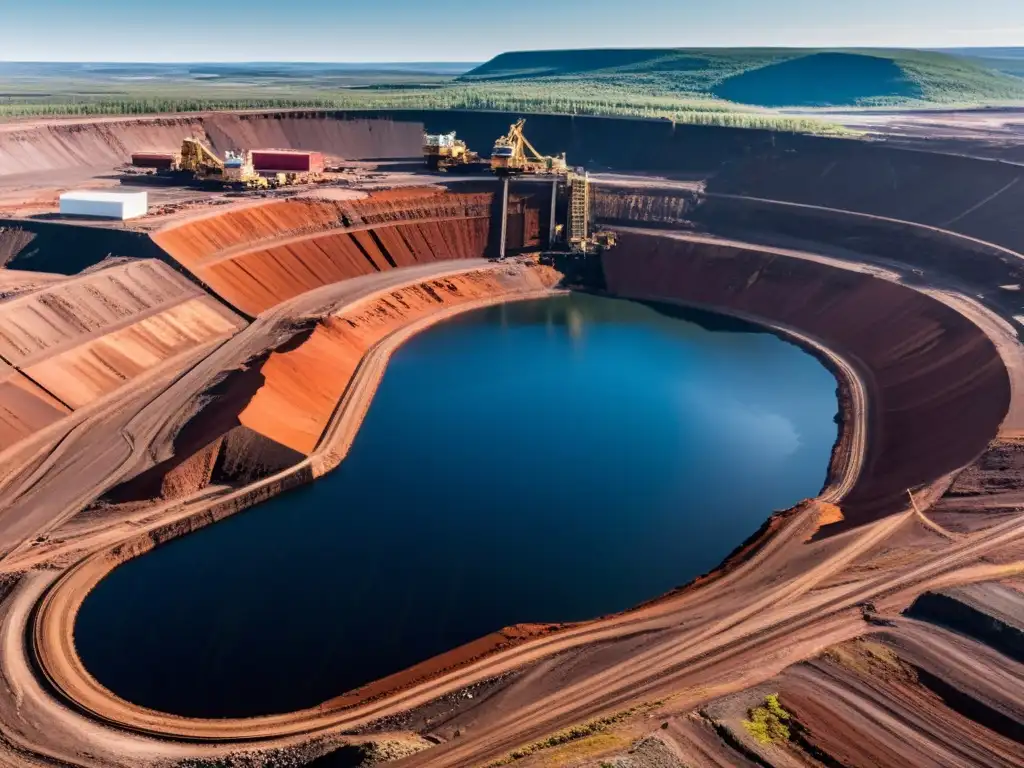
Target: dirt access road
{"x":126,"y":431}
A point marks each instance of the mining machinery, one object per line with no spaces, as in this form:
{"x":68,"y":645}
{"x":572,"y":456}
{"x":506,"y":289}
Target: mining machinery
{"x":235,"y":170}
{"x":513,"y":154}
{"x":442,"y":151}
{"x":570,"y":218}
{"x":578,"y":234}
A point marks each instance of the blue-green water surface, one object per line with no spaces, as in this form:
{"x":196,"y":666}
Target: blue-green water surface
{"x":545,"y":461}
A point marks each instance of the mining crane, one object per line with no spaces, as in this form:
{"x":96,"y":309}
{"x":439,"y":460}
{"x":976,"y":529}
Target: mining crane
{"x":514,"y":154}
{"x":442,"y":151}
{"x":235,"y":169}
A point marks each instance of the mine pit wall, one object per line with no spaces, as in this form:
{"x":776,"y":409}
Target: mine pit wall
{"x":976,"y":197}
{"x":105,"y":143}
{"x":71,"y":342}
{"x":273,"y":414}
{"x":628,"y":206}
{"x":304,"y":385}
{"x":255,"y":257}
{"x":978,"y":266}
{"x":936,"y":386}
{"x":990,"y":613}
{"x":68,"y":248}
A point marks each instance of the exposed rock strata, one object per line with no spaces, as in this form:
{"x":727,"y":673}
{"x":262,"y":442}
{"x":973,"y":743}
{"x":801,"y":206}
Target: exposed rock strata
{"x":938,"y":388}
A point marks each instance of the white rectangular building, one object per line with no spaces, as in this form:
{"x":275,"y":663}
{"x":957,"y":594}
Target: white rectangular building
{"x":106,"y":205}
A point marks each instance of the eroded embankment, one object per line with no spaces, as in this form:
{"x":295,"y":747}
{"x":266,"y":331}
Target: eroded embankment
{"x":302,"y":386}
{"x":937,"y":388}
{"x":258,"y":256}
{"x":77,"y":340}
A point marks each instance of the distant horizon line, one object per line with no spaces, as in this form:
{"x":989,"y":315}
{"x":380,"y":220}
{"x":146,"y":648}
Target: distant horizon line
{"x":522,"y":50}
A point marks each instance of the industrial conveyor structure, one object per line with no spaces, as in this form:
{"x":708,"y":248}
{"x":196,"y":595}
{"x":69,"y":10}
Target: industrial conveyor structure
{"x":570,"y":232}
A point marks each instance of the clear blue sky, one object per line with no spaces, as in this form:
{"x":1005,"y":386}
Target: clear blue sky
{"x":468,"y":30}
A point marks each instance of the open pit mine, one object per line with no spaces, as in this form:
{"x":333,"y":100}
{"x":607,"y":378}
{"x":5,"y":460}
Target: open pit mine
{"x":221,"y":353}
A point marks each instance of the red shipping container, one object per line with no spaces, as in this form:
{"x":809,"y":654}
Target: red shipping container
{"x":287,"y":161}
{"x":159,"y":160}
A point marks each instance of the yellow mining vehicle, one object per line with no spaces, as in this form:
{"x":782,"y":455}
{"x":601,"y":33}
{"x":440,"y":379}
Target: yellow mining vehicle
{"x":235,"y":170}
{"x":442,"y":151}
{"x":513,"y":154}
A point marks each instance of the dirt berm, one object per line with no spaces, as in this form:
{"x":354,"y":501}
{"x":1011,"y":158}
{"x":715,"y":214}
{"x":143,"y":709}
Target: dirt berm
{"x":937,"y":387}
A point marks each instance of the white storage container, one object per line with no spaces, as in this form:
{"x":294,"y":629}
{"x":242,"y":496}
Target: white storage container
{"x":107,"y":205}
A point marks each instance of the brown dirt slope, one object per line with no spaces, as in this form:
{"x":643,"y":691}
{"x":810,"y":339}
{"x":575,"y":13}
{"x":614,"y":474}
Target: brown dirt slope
{"x":936,"y":383}
{"x":258,"y":256}
{"x":892,"y":701}
{"x":83,"y":338}
{"x":24,"y":407}
{"x":359,"y":138}
{"x":912,"y":694}
{"x":303,"y":385}
{"x":106,"y":143}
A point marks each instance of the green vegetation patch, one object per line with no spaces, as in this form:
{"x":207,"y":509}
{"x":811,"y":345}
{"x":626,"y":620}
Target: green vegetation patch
{"x":769,"y":77}
{"x":768,"y":722}
{"x":543,"y":98}
{"x":575,"y":733}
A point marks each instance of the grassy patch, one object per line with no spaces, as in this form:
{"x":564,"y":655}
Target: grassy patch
{"x":579,"y":735}
{"x":553,"y":98}
{"x":768,"y":722}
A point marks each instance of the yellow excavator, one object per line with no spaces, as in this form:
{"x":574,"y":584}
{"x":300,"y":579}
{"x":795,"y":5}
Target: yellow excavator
{"x":509,"y":156}
{"x":235,"y":170}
